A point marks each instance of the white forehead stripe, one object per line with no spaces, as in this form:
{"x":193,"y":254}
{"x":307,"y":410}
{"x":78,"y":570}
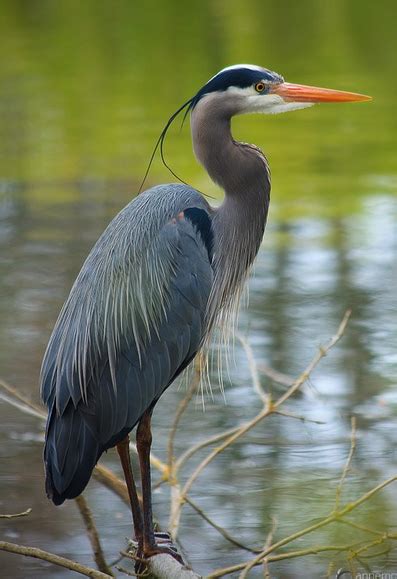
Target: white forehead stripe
{"x":249,"y":66}
{"x":236,"y":67}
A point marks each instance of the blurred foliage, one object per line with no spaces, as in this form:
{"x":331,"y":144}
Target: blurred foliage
{"x":87,"y":86}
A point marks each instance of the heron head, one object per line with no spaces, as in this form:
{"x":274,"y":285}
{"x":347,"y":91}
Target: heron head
{"x":246,"y":88}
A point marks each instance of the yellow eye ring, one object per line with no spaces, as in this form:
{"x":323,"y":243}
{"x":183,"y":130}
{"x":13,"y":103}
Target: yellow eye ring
{"x":260,"y":86}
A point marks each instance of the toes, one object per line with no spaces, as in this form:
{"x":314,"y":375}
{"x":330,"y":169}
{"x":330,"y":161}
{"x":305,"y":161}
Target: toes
{"x":162,"y":537}
{"x":169,"y":550}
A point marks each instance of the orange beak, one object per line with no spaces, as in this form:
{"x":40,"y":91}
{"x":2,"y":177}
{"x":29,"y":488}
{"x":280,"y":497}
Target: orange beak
{"x":312,"y":94}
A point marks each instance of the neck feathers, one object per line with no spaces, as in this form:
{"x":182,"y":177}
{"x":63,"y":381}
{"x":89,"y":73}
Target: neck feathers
{"x":239,"y":223}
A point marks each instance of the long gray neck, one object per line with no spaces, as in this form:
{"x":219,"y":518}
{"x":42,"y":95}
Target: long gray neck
{"x":241,"y":170}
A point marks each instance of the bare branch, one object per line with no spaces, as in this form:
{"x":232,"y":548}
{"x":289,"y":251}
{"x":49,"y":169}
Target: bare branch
{"x":256,"y":382}
{"x":348,"y":462}
{"x":52,"y":558}
{"x":268,"y":408}
{"x":220,"y":529}
{"x":125,"y":571}
{"x":362,"y":528}
{"x":93,"y":535}
{"x":164,"y":565}
{"x":242,"y":430}
{"x":252,"y":563}
{"x":25,"y":405}
{"x":23,"y":514}
{"x":21,"y":406}
{"x":269,"y":541}
{"x":276,"y":376}
{"x":204,"y":443}
{"x":323,"y":351}
{"x":13,"y":397}
{"x":297,"y":417}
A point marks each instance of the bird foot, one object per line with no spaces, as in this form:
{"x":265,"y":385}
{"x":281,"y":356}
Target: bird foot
{"x":162,"y":537}
{"x":163,"y":545}
{"x":168,"y":549}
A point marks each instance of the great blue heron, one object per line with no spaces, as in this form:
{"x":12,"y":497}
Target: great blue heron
{"x":154,"y":286}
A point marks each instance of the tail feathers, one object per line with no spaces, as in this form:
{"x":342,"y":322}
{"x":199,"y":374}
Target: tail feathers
{"x":70,"y":454}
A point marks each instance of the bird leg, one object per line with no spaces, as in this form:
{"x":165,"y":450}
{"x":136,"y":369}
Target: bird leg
{"x":123,"y":448}
{"x":143,"y":444}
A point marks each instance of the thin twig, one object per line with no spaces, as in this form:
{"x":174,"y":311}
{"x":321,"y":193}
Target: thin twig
{"x":131,"y":556}
{"x":275,"y":375}
{"x":256,"y":382}
{"x":220,"y":529}
{"x":268,"y":542}
{"x":323,"y":351}
{"x":268,"y":408}
{"x":52,"y":558}
{"x":297,"y":417}
{"x":373,"y":543}
{"x":93,"y":535}
{"x":267,"y":554}
{"x":348,"y":463}
{"x":250,"y":565}
{"x":242,"y":430}
{"x":203,"y":444}
{"x":21,"y":406}
{"x":359,"y":527}
{"x":283,"y":556}
{"x":14,"y":392}
{"x":23,"y":514}
{"x":125,"y":571}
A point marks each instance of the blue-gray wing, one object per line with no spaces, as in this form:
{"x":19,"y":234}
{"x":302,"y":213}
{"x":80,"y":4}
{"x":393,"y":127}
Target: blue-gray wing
{"x":133,"y":321}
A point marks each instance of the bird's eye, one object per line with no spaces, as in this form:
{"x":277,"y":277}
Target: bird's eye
{"x":260,"y":86}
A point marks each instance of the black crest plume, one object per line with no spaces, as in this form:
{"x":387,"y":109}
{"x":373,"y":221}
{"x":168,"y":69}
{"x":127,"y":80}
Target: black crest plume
{"x":160,"y":142}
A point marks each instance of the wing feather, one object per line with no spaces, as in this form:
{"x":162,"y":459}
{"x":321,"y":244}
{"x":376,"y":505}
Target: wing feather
{"x":133,"y":321}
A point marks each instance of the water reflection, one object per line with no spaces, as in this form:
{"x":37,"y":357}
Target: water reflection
{"x":308,"y":272}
